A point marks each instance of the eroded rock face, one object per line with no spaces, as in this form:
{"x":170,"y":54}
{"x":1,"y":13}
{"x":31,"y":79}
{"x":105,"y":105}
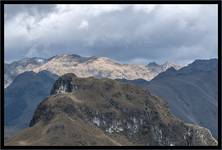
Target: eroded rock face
{"x":65,"y":84}
{"x":118,"y":112}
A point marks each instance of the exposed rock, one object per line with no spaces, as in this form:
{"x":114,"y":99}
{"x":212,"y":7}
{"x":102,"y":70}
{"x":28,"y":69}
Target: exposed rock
{"x":89,"y":111}
{"x":154,"y":67}
{"x":92,"y":66}
{"x":98,"y":67}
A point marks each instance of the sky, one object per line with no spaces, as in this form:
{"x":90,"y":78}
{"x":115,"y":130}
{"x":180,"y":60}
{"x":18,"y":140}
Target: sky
{"x":126,"y":33}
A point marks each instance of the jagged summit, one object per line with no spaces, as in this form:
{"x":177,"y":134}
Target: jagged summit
{"x":64,"y":84}
{"x":151,"y":64}
{"x":168,"y":65}
{"x":71,"y":83}
{"x":157,"y":68}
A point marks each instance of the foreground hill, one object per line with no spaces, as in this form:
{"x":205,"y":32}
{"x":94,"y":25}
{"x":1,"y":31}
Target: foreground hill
{"x":89,"y":111}
{"x":22,"y":97}
{"x":191,"y":92}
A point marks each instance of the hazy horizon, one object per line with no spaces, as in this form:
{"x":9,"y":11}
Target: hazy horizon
{"x":138,"y":63}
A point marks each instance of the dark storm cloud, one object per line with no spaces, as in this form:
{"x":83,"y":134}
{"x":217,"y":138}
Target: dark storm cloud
{"x":135,"y":34}
{"x":37,"y":10}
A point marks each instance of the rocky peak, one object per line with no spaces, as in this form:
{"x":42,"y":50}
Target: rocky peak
{"x":168,"y":65}
{"x":64,"y":84}
{"x":153,"y":64}
{"x":69,"y":83}
{"x":154,"y":67}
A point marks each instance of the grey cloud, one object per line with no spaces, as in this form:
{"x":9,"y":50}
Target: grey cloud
{"x":37,"y":10}
{"x":143,"y":36}
{"x":125,"y":35}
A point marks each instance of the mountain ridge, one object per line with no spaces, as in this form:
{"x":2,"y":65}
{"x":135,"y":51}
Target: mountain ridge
{"x":187,"y":89}
{"x":83,"y":67}
{"x":17,"y":67}
{"x":106,"y":112}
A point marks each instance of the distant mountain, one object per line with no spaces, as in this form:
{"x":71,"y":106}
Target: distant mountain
{"x":22,"y":97}
{"x":89,"y":111}
{"x":15,"y":68}
{"x":191,"y":92}
{"x":98,"y":67}
{"x":154,"y":67}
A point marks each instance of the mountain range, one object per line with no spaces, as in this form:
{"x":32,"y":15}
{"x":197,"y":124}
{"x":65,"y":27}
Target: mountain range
{"x":84,"y":67}
{"x":29,"y":80}
{"x":90,"y":111}
{"x":191,"y":92}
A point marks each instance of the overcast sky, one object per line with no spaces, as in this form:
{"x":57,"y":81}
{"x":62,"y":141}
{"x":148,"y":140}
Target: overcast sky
{"x":126,"y":33}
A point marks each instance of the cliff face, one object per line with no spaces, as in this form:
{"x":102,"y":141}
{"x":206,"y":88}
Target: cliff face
{"x":89,"y":111}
